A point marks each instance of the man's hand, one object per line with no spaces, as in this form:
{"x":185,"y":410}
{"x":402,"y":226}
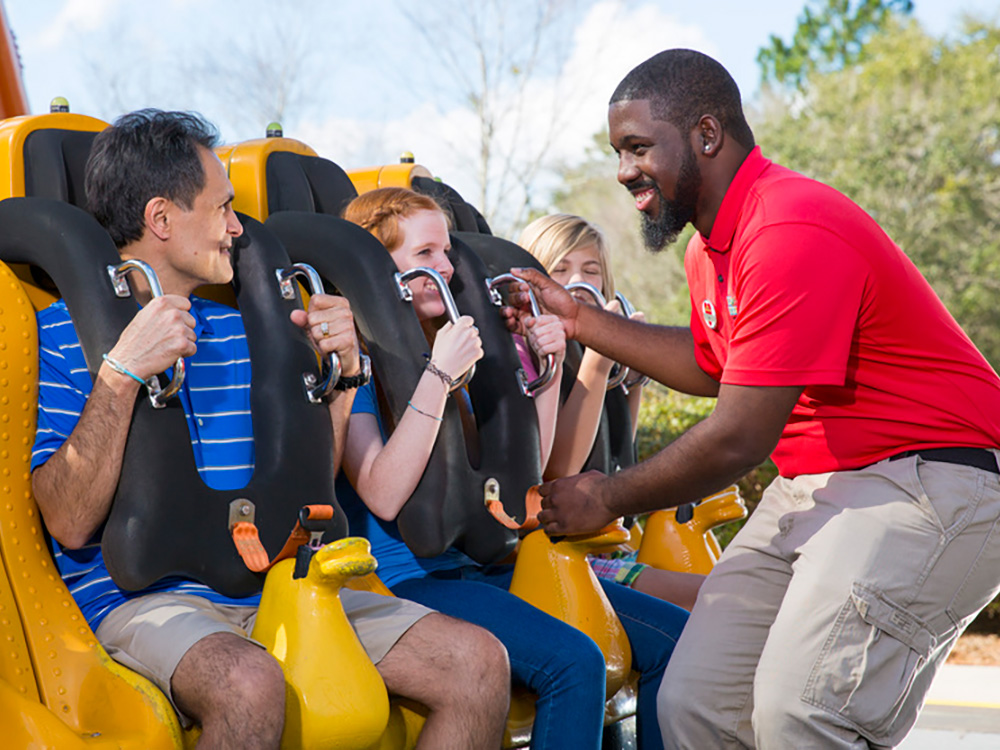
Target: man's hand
{"x":576,"y":505}
{"x":329,"y":324}
{"x":551,"y":297}
{"x":157,"y":336}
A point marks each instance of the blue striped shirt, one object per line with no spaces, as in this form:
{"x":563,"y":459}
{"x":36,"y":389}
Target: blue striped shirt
{"x":216,"y":400}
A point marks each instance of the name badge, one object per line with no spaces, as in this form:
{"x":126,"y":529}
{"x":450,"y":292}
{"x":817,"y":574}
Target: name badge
{"x":708,"y":312}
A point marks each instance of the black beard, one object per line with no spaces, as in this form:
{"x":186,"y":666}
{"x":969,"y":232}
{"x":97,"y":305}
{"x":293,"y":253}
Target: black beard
{"x":673,"y":215}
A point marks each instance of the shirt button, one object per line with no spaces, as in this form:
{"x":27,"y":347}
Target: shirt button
{"x":200,"y":423}
{"x":720,"y":278}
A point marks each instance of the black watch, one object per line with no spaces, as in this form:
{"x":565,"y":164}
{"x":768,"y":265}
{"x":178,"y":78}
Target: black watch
{"x":346,"y":382}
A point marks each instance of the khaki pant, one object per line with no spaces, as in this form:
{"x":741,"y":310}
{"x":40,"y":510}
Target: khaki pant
{"x":150,"y":634}
{"x":828,"y":616}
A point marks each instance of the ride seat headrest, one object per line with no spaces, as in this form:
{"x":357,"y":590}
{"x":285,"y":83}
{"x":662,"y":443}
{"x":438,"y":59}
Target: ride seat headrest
{"x":296,"y":182}
{"x":54,"y":163}
{"x":464,"y":218}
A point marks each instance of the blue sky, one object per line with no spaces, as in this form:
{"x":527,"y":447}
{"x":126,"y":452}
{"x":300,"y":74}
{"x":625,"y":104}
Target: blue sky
{"x":371,"y":88}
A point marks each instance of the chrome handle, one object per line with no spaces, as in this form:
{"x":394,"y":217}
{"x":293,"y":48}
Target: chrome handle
{"x":549,"y":369}
{"x":629,"y":311}
{"x":402,"y":278}
{"x":618,"y":373}
{"x":330,"y":368}
{"x":158,"y":396}
{"x":590,"y":289}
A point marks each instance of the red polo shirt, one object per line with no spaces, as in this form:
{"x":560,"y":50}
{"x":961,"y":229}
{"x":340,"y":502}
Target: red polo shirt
{"x":798,"y":286}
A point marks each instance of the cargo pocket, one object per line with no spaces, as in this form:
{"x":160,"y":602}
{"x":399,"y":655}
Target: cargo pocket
{"x":868,"y":665}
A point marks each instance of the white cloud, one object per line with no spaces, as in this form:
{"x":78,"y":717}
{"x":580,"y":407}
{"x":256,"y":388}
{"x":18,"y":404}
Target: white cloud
{"x":559,"y":114}
{"x":77,"y":16}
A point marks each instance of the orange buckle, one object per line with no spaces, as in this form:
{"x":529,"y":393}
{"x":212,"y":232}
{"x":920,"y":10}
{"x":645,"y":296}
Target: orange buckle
{"x":247,"y":540}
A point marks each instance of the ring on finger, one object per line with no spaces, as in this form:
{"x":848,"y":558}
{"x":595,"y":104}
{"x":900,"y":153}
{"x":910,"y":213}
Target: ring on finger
{"x":324,"y":328}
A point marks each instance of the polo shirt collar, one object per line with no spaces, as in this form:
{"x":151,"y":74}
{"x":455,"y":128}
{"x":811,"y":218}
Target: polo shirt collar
{"x":724,"y":227}
{"x":202,"y":325}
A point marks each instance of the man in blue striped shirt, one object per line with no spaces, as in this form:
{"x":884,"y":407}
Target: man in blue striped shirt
{"x":164,"y":197}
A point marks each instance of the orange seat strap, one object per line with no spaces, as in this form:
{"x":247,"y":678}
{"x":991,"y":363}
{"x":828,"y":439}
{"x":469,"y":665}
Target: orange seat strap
{"x":248,"y":544}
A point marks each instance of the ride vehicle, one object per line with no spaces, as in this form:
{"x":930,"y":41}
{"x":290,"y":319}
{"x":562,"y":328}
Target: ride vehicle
{"x":57,"y":686}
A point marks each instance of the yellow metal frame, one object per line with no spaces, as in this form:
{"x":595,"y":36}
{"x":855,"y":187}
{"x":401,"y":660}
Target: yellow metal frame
{"x":334,"y":695}
{"x":690,"y":547}
{"x":15,"y":131}
{"x":246,"y":164}
{"x":56,"y":662}
{"x":388,"y":175}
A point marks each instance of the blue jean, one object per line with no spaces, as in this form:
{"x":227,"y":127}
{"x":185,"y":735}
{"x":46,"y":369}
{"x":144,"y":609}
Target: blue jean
{"x":555,"y":660}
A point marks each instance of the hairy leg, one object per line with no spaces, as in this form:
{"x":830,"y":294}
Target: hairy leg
{"x":234,"y":689}
{"x":460,"y":672}
{"x":671,"y":586}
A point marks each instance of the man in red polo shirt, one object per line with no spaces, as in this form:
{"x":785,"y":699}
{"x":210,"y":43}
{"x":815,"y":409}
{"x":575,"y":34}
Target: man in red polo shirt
{"x":830,"y":612}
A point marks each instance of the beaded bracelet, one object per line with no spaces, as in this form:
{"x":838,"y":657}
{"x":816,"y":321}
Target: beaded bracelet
{"x":437,"y":372}
{"x":121,"y":369}
{"x":420,"y":411}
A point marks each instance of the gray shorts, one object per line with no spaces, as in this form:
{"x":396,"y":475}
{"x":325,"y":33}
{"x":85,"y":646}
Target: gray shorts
{"x":150,"y":634}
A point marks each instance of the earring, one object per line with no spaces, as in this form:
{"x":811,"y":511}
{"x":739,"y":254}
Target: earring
{"x":708,"y":147}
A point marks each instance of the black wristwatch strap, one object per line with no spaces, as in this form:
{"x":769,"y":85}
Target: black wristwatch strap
{"x":356,"y":381}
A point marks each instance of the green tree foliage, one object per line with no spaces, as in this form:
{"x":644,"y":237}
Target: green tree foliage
{"x":912,"y":134}
{"x":829,"y":36}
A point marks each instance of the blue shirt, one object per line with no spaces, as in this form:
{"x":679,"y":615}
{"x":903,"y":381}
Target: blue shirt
{"x":216,"y":400}
{"x":395,"y":560}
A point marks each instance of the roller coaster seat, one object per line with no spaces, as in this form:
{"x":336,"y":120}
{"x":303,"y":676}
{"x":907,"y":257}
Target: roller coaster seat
{"x":283,"y":174}
{"x":58,"y":687}
{"x":464,"y":216}
{"x":340,"y":252}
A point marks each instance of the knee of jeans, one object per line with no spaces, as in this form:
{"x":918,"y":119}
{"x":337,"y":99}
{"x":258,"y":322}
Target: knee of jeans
{"x":576,"y":660}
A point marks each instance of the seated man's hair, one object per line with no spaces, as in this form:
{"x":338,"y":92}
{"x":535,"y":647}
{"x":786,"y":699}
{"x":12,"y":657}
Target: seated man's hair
{"x":681,"y":86}
{"x":144,"y":155}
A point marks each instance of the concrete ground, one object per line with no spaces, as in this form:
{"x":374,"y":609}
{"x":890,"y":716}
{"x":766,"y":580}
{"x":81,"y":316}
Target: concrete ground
{"x":962,"y":711}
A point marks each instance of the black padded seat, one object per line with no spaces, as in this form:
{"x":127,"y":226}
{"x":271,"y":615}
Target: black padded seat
{"x":464,"y":217}
{"x":54,"y":162}
{"x":296,"y":182}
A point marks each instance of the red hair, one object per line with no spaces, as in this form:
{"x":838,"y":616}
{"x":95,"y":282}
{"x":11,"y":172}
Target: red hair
{"x":379,"y":211}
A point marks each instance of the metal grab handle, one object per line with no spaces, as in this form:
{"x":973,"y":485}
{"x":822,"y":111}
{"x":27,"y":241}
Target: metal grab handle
{"x":629,"y":311}
{"x":402,"y":278}
{"x":330,"y":369}
{"x":618,"y":373}
{"x":549,"y":369}
{"x":158,"y":396}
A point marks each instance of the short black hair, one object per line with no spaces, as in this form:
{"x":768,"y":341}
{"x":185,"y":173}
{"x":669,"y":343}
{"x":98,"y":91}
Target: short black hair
{"x":145,"y":154}
{"x":681,"y":86}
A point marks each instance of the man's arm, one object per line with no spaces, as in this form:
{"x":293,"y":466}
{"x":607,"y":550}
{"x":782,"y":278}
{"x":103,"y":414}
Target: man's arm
{"x":75,"y":487}
{"x":329,"y":324}
{"x":739,"y":435}
{"x":664,"y":353}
